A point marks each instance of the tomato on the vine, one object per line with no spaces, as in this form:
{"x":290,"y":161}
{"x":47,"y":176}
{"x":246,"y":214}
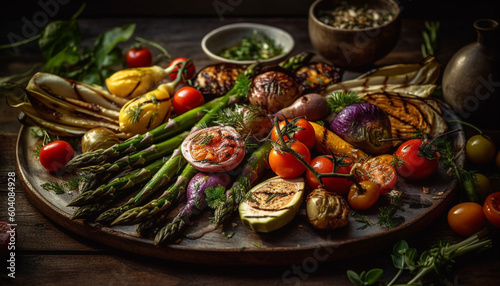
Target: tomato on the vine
{"x":466,"y":218}
{"x":324,"y":164}
{"x":187,"y":98}
{"x":286,"y":165}
{"x":364,"y":198}
{"x":137,"y":57}
{"x":379,"y":170}
{"x":55,"y":155}
{"x":480,"y":149}
{"x":491,"y":208}
{"x":302,"y":131}
{"x":189,"y":70}
{"x":416,"y":160}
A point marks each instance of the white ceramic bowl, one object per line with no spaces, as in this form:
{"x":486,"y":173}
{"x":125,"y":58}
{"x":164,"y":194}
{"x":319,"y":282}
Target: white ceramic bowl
{"x":228,"y":35}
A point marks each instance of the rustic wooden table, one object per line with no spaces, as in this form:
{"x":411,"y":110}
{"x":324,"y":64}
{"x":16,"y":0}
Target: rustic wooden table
{"x":47,"y":254}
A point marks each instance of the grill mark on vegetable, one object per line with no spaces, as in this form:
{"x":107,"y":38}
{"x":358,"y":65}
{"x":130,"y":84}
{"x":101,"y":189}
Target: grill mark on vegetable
{"x":136,"y":86}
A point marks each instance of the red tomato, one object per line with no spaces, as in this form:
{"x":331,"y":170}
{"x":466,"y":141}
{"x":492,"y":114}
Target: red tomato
{"x":491,"y":208}
{"x":189,"y":70}
{"x":416,"y":160}
{"x":55,"y":155}
{"x":286,"y":165}
{"x":466,"y":218}
{"x":302,"y":131}
{"x":379,"y":170}
{"x":5,"y":229}
{"x":365,"y":198}
{"x":323,"y":164}
{"x":139,"y":57}
{"x":187,"y":98}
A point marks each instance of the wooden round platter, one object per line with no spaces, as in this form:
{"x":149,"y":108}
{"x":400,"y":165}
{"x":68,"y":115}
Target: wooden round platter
{"x":296,"y":243}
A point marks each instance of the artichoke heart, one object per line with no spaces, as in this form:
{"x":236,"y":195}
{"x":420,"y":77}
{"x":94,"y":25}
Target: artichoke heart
{"x":147,"y":111}
{"x":131,"y":83}
{"x":272,"y":204}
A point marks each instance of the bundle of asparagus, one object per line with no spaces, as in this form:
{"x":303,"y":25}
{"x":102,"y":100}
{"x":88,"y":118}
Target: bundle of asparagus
{"x":147,"y":163}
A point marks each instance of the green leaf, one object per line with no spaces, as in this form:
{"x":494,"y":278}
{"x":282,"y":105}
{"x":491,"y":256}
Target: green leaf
{"x":373,"y":275}
{"x":58,"y":36}
{"x":107,"y":41}
{"x":114,"y":58}
{"x":354,"y":278}
{"x":69,"y":55}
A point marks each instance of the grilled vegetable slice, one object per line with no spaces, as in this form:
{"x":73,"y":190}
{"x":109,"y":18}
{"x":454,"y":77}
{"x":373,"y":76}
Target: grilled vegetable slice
{"x":133,"y":82}
{"x":315,"y":77}
{"x":410,"y":114}
{"x":216,"y":80}
{"x":272,"y":204}
{"x":214,"y":149}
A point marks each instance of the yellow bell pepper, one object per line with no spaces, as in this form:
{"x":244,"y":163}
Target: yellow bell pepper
{"x":147,"y":111}
{"x":130,"y":83}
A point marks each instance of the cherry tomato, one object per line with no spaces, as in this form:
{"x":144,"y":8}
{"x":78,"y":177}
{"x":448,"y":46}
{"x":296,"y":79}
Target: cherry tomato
{"x":491,"y":208}
{"x":466,"y":218}
{"x":55,"y":155}
{"x":189,"y":70}
{"x":5,"y":229}
{"x":138,"y":57}
{"x":286,"y":165}
{"x":187,"y":98}
{"x":323,"y":164}
{"x":482,"y":185}
{"x":366,"y":197}
{"x":416,"y":160}
{"x":379,"y":170}
{"x":304,"y":133}
{"x":480,"y":149}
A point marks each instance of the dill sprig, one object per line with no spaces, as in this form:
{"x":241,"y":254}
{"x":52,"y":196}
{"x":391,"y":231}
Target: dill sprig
{"x":364,"y":220}
{"x":339,"y":100}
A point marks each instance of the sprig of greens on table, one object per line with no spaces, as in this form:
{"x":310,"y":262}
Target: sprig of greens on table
{"x":439,"y":259}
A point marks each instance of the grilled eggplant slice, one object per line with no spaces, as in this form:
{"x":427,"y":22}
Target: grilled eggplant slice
{"x":216,"y":80}
{"x":315,"y":77}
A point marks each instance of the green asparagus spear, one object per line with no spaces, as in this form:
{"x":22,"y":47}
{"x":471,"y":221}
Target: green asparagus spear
{"x":160,"y":204}
{"x":140,"y":158}
{"x":118,"y":185}
{"x":168,"y":171}
{"x":207,"y":119}
{"x":252,"y":170}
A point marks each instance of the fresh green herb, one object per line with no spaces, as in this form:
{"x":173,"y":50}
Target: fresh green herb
{"x":429,"y":46}
{"x":53,"y":187}
{"x":438,"y":260}
{"x":366,"y":222}
{"x":365,"y":278}
{"x":339,"y":100}
{"x":228,"y":235}
{"x":257,"y":245}
{"x":255,"y":47}
{"x":216,"y":196}
{"x":241,"y":121}
{"x":41,"y":133}
{"x":60,"y":45}
{"x":465,"y":178}
{"x":387,"y":214}
{"x":135,"y":114}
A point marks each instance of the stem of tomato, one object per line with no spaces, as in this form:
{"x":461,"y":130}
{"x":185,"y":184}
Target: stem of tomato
{"x":281,"y":146}
{"x":467,"y":124}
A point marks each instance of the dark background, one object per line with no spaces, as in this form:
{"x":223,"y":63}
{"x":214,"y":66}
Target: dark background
{"x":13,"y":10}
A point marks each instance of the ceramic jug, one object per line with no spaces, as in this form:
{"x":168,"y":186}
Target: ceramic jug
{"x":471,"y":80}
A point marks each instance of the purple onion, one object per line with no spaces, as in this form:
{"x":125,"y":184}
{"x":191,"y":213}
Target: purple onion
{"x":195,"y":192}
{"x":363,"y":125}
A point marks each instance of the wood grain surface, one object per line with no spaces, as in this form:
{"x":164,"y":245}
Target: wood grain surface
{"x":47,"y":254}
